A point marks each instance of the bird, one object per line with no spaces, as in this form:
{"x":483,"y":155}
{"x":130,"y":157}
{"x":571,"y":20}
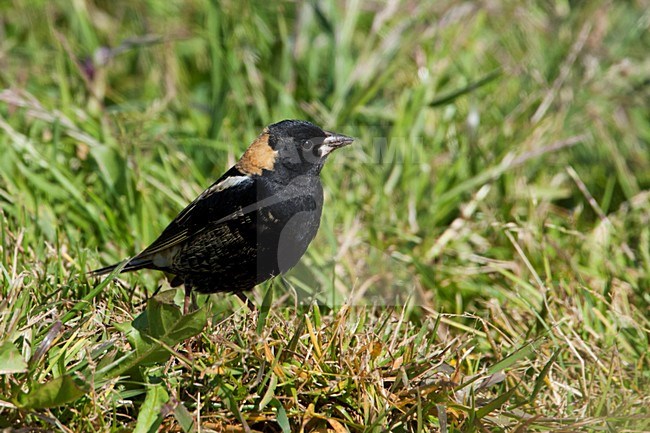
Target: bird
{"x":254,"y":223}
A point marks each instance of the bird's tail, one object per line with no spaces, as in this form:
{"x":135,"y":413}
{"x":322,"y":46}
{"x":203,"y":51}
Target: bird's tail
{"x":131,"y":265}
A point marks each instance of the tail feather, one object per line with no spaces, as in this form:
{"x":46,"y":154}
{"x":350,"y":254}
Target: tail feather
{"x":132,"y":265}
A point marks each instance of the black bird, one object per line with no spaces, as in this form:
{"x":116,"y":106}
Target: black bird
{"x":252,"y":224}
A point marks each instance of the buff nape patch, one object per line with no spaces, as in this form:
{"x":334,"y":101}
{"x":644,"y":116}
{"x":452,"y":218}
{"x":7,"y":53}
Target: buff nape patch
{"x":259,"y":156}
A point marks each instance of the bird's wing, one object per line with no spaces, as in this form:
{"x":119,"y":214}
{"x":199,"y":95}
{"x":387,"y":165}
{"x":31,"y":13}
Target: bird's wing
{"x":233,"y":194}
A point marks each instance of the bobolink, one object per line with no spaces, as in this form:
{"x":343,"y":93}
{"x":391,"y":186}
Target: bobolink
{"x":254,"y":223}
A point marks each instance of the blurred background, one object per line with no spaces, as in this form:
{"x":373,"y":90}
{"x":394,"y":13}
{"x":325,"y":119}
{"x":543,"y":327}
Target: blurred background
{"x":501,"y":172}
{"x":502,"y":119}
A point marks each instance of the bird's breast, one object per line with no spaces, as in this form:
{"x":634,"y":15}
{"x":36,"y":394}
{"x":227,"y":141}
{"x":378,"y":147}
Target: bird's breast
{"x":287,"y":226}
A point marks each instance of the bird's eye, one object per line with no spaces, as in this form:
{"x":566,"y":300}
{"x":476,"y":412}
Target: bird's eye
{"x":307,"y":145}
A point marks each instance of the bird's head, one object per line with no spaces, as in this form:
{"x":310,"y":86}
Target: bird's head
{"x":293,"y":145}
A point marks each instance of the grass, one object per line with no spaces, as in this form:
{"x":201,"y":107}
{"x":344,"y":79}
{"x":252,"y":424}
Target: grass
{"x":483,"y":262}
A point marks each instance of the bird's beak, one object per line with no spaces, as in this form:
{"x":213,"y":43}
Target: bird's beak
{"x":332,"y":142}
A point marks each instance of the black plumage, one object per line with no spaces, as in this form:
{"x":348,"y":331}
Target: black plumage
{"x":254,"y":222}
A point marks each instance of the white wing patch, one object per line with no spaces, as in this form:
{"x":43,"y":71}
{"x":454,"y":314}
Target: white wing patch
{"x":227,"y":183}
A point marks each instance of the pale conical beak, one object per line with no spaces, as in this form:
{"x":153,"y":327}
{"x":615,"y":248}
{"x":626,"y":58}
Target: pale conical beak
{"x":333,"y":141}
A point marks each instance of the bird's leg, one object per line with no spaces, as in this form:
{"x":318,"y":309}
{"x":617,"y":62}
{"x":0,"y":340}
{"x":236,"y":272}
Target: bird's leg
{"x":186,"y":309}
{"x":246,"y":300}
{"x":188,"y":299}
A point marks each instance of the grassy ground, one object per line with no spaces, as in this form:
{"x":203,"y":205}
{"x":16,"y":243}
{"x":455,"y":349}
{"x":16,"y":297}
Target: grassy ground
{"x":484,"y":258}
